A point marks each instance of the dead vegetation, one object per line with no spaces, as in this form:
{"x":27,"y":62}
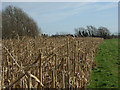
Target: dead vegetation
{"x":47,"y":62}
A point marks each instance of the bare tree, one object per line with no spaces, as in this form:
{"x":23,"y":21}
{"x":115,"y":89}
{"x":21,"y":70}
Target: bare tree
{"x":17,"y":23}
{"x":92,"y":31}
{"x":103,"y":32}
{"x":80,"y":32}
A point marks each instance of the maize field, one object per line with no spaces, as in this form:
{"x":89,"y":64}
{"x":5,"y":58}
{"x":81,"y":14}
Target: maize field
{"x":52,"y":62}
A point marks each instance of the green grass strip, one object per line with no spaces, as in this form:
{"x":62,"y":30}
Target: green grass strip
{"x":105,"y":75}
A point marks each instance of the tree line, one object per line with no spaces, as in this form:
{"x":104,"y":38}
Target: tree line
{"x":16,"y":23}
{"x":92,"y":31}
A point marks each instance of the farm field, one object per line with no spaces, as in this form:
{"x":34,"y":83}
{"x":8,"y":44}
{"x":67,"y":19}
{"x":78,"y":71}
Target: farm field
{"x":60,"y":62}
{"x":59,"y":45}
{"x":105,"y":75}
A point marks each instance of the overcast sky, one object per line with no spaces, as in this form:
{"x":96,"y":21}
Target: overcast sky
{"x":54,"y":17}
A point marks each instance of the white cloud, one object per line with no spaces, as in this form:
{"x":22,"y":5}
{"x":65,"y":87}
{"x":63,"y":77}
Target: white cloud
{"x":52,"y":12}
{"x":107,"y":6}
{"x":68,"y":9}
{"x":62,"y":14}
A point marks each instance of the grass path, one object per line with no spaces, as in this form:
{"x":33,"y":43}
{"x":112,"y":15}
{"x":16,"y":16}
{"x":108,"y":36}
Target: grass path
{"x":105,"y":75}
